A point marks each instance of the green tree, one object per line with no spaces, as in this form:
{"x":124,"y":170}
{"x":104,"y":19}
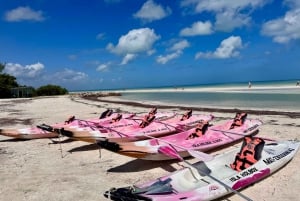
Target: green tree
{"x":50,"y":90}
{"x":6,"y":83}
{"x":2,"y":66}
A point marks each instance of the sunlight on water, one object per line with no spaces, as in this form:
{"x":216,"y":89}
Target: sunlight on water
{"x":280,"y":96}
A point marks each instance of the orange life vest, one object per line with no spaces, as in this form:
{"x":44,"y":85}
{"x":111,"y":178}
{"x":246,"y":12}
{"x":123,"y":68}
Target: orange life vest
{"x":200,"y":130}
{"x":239,"y":120}
{"x":250,"y":153}
{"x":187,"y":115}
{"x":117,"y":118}
{"x":70,"y":119}
{"x":147,"y":120}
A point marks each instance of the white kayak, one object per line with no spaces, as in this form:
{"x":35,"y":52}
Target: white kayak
{"x":210,"y":180}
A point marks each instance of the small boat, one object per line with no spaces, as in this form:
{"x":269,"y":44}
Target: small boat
{"x":46,"y":131}
{"x":211,"y":179}
{"x":164,"y":124}
{"x":162,"y":148}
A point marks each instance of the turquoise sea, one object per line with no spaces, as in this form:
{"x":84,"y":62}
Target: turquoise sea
{"x":270,"y":95}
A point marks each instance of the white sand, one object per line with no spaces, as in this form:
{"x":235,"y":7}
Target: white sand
{"x":34,"y":170}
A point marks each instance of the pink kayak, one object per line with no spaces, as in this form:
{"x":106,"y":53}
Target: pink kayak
{"x":118,"y":133}
{"x":166,"y":148}
{"x":45,"y":131}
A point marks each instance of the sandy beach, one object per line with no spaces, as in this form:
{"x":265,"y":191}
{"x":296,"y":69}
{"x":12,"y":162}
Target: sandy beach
{"x":36,"y":170}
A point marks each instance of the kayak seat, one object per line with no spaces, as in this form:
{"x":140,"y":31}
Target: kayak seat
{"x":202,"y":168}
{"x":124,"y":194}
{"x":239,"y":120}
{"x":106,"y":113}
{"x":160,"y":186}
{"x":249,"y":154}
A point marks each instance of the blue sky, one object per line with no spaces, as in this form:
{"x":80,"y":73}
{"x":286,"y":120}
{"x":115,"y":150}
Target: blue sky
{"x":112,"y":44}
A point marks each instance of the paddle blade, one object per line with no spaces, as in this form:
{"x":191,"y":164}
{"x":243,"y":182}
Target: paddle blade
{"x":170,"y":152}
{"x":200,"y":155}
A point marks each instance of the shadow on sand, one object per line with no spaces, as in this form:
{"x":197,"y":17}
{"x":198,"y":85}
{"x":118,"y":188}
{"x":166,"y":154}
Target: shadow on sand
{"x":68,"y":140}
{"x":88,"y":147}
{"x":138,"y":165}
{"x":14,"y":140}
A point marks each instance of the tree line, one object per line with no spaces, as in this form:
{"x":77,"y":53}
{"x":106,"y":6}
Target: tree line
{"x":9,"y":82}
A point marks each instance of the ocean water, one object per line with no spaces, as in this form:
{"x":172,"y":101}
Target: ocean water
{"x":275,"y":95}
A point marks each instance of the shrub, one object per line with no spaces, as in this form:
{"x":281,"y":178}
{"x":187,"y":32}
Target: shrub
{"x":50,"y":90}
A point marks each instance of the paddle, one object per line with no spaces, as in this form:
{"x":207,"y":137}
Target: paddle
{"x":179,"y":127}
{"x":162,"y":118}
{"x":194,"y":153}
{"x":69,"y":132}
{"x":97,"y":123}
{"x":217,"y":180}
{"x":235,"y":133}
{"x":204,"y":157}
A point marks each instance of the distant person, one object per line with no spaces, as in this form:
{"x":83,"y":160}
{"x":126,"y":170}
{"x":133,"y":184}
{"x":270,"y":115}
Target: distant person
{"x":298,"y":83}
{"x":249,"y":85}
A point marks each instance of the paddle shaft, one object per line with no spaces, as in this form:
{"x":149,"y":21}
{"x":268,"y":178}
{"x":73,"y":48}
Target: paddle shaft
{"x":176,"y":127}
{"x":219,"y":181}
{"x":166,"y":124}
{"x":196,"y":154}
{"x":235,"y":133}
{"x":206,"y":155}
{"x":108,"y":128}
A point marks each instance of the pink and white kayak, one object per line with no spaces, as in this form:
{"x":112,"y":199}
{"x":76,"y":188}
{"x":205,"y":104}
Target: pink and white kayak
{"x":209,"y":180}
{"x":45,"y":131}
{"x":117,"y":133}
{"x":167,"y":147}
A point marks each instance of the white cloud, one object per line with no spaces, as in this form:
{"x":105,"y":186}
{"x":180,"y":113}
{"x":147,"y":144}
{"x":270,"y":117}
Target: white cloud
{"x":198,"y":28}
{"x":164,"y":59}
{"x":230,"y":14}
{"x":223,"y":5}
{"x":72,"y":57}
{"x":284,"y":29}
{"x":100,"y":36}
{"x":23,"y":72}
{"x":228,"y":21}
{"x":177,"y":49}
{"x":180,"y":45}
{"x":151,"y":11}
{"x":103,"y":67}
{"x":134,"y":42}
{"x":23,"y":14}
{"x":292,"y":3}
{"x":227,"y":49}
{"x":70,"y":75}
{"x":127,"y":58}
{"x":150,"y":52}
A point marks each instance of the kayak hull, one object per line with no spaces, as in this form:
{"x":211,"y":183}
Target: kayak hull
{"x":196,"y":182}
{"x":37,"y":133}
{"x":130,"y":131}
{"x":216,"y":137}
